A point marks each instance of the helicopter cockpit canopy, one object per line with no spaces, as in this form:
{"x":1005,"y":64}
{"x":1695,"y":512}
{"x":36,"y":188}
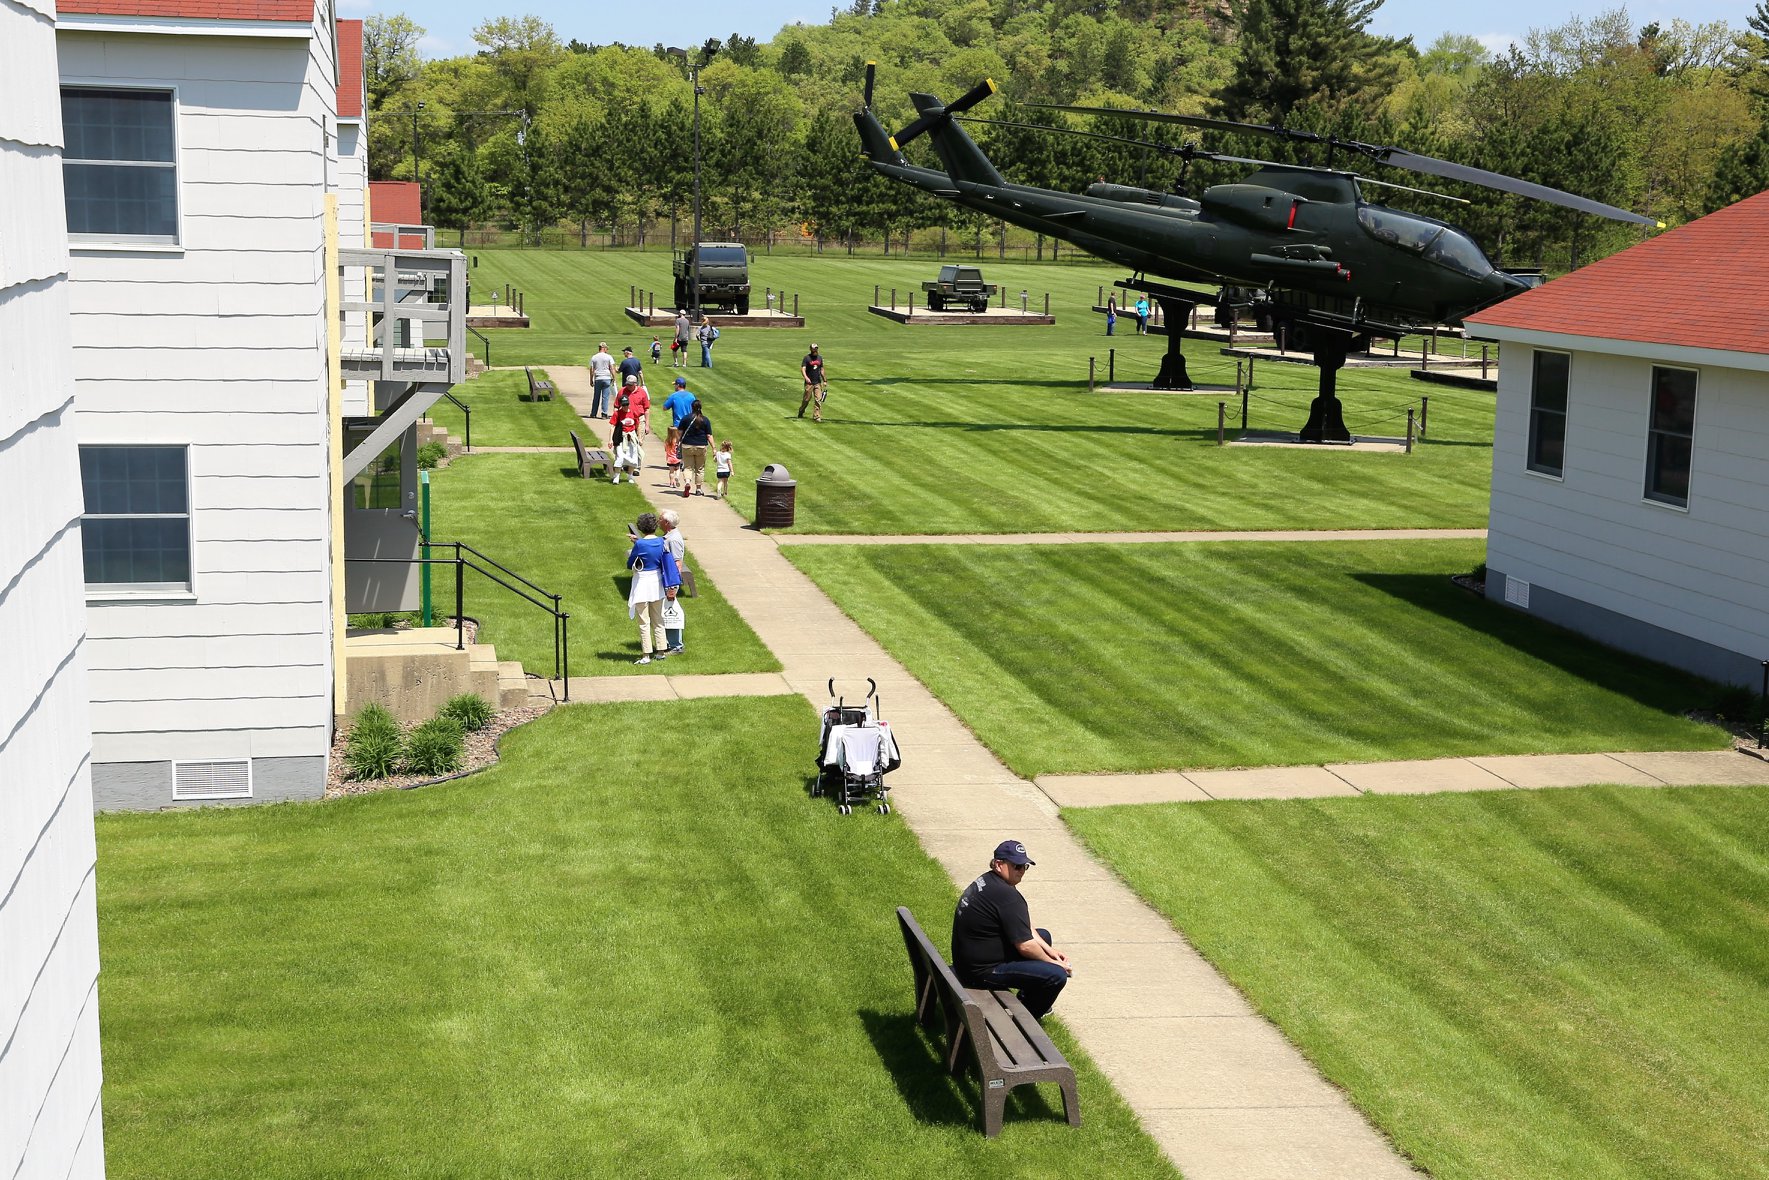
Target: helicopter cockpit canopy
{"x":1443,"y":244}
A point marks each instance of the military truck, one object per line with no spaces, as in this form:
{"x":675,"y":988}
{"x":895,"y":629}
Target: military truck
{"x":724,"y":277}
{"x":960,"y":285}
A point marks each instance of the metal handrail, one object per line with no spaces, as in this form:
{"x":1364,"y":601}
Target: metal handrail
{"x":467,"y":411}
{"x":485,"y":340}
{"x":561,"y":618}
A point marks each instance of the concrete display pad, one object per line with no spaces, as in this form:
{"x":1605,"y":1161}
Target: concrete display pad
{"x":495,"y":315}
{"x":1460,"y":378}
{"x":1280,"y":438}
{"x":666,"y":318}
{"x":995,"y":315}
{"x":1199,"y":390}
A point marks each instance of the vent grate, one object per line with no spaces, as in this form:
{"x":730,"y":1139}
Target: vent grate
{"x":1517,"y":592}
{"x":212,"y":780}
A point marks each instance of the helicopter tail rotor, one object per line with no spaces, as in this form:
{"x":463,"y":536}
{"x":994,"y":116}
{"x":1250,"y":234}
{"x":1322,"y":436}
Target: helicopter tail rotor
{"x":866,"y":98}
{"x":934,"y":115}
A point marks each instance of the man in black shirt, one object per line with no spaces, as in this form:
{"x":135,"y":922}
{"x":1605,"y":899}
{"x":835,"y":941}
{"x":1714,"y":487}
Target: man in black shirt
{"x":815,"y":390}
{"x":993,"y":942}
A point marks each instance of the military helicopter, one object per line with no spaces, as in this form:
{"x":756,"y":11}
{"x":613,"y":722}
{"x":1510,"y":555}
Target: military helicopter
{"x":1334,"y":269}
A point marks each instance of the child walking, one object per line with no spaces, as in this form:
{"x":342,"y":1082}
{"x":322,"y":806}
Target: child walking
{"x":672,"y":459}
{"x":628,"y":455}
{"x":656,"y":350}
{"x":722,"y":468}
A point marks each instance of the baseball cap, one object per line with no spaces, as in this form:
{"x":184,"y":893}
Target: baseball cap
{"x":632,"y":378}
{"x":628,"y":348}
{"x":1013,"y":852}
{"x":681,"y":382}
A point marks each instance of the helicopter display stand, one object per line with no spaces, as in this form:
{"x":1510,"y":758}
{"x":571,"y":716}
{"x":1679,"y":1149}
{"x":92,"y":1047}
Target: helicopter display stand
{"x":665,"y":317}
{"x":1177,"y":305}
{"x":997,"y":316}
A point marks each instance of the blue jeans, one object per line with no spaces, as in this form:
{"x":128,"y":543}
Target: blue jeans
{"x":600,"y":405}
{"x":706,"y":356}
{"x":1038,"y":983}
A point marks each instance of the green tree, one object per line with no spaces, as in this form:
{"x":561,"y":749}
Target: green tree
{"x":1293,"y":52}
{"x":536,"y":190}
{"x":459,"y":196}
{"x":389,"y":55}
{"x":1743,"y":171}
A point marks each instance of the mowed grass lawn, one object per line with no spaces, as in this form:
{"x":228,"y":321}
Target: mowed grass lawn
{"x":591,"y":960}
{"x":1079,"y":658}
{"x":503,"y":415}
{"x":1532,"y":985}
{"x":991,"y":429}
{"x":533,"y":514}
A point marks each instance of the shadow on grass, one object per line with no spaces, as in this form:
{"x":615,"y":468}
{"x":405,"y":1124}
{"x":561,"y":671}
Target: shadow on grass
{"x":1654,"y":685}
{"x":933,"y":1096}
{"x":1043,"y":428}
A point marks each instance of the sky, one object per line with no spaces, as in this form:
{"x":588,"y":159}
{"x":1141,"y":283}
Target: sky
{"x":449,"y":23}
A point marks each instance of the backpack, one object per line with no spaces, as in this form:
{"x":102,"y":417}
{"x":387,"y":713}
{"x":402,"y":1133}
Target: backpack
{"x":715,"y":334}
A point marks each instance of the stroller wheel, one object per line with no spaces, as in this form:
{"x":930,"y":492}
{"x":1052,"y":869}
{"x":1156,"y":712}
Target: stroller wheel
{"x":846,"y":810}
{"x":884,"y":808}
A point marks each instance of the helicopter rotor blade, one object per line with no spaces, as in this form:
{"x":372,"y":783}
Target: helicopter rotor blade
{"x":866,"y":98}
{"x":1407,"y":188}
{"x":1199,"y":121}
{"x":1187,"y":152}
{"x":1505,"y":184}
{"x":933,"y":118}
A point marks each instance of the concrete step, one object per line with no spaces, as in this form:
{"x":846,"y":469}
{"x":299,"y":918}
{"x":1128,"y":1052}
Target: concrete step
{"x":513,"y":684}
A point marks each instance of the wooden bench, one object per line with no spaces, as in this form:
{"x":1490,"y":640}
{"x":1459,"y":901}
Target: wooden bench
{"x":1004,"y":1042}
{"x":538,"y":389}
{"x":589,"y":462}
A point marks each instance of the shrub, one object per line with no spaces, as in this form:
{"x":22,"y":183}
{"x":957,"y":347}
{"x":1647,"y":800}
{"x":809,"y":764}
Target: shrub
{"x":374,"y":746}
{"x":430,"y":454}
{"x":436,"y":747}
{"x":471,"y":710}
{"x":1479,"y":573}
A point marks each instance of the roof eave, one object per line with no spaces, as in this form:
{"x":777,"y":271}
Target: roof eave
{"x":1681,"y":354}
{"x":89,"y":22}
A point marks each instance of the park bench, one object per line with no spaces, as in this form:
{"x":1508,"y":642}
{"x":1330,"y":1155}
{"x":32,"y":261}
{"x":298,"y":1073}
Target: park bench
{"x":589,"y":462}
{"x":538,"y":389}
{"x":988,"y":1029}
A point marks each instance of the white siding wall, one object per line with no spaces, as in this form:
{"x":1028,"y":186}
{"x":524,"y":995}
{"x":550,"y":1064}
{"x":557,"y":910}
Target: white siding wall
{"x":353,"y":193}
{"x":222,"y":346}
{"x":49,"y":1064}
{"x":1593,"y":536}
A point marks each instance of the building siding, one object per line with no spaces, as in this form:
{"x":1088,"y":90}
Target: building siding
{"x":50,"y":1121}
{"x":220,"y":345}
{"x":1591,"y":537}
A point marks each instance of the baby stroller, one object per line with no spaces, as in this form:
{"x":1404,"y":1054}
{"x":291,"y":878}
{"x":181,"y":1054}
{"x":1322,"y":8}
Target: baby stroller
{"x":855,"y":752}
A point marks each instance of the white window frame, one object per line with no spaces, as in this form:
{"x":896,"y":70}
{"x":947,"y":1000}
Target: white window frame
{"x":134,"y":243}
{"x":153,"y":591}
{"x":1646,"y":494}
{"x":1529,"y":434}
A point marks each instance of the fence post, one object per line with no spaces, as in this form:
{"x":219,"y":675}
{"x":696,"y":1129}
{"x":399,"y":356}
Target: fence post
{"x":1047,"y":303}
{"x":1089,"y":374}
{"x":875,"y":294}
{"x":1111,"y":366}
{"x":795,"y":304}
{"x":460,"y":607}
{"x":632,"y":295}
{"x":1424,"y":413}
{"x":1221,"y":417}
{"x":565,"y":643}
{"x":1249,"y":372}
{"x":1280,"y":339}
{"x":1483,"y":362}
{"x":1424,"y":356}
{"x":1243,"y":398}
{"x":893,"y":299}
{"x":1409,"y":430}
{"x":910,"y":304}
{"x":1099,"y":296}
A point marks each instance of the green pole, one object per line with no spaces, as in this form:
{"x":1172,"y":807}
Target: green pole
{"x":424,"y":548}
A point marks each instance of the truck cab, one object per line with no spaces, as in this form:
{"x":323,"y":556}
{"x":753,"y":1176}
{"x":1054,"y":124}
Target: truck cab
{"x":961,"y":285}
{"x":724,"y":277}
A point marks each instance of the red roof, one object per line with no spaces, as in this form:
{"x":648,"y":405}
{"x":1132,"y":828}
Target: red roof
{"x":350,"y":69}
{"x":300,"y":11}
{"x":395,"y":202}
{"x":1698,"y":286}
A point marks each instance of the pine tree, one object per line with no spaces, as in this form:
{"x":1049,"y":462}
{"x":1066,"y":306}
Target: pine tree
{"x":1743,"y":171}
{"x":1305,"y":51}
{"x":459,"y":195}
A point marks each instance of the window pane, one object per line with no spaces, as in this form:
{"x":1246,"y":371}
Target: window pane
{"x":1549,"y":390}
{"x":150,"y":551}
{"x":1667,"y":470}
{"x":1673,"y":400}
{"x":1547,"y":443}
{"x":117,"y":124}
{"x":128,"y":480}
{"x":121,"y":199}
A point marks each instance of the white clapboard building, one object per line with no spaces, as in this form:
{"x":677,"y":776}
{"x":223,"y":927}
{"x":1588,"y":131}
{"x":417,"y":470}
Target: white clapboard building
{"x":221,"y":300}
{"x":1630,"y":496}
{"x":50,"y":1121}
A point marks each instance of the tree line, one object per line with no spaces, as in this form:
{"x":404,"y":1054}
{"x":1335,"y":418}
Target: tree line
{"x":533,"y":133}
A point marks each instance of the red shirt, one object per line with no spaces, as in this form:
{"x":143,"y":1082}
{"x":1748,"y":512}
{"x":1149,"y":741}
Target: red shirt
{"x":638,"y":405}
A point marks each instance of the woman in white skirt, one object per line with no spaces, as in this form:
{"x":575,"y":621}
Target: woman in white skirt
{"x":654,"y":571}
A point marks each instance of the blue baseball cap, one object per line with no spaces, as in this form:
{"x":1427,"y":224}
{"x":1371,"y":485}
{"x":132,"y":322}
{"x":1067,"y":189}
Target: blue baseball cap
{"x":681,"y":382}
{"x":1013,"y":852}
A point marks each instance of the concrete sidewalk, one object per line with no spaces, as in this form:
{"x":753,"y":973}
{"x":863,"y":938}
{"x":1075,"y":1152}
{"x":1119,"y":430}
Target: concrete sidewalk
{"x":1216,"y":1085}
{"x":1670,"y":768}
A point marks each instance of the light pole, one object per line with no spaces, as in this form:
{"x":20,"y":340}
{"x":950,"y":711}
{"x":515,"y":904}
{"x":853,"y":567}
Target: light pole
{"x":694,"y":315}
{"x":416,"y":175}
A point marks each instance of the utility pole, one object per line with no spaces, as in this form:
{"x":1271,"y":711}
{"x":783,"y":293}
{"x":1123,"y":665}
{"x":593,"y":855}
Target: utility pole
{"x":694,"y":313}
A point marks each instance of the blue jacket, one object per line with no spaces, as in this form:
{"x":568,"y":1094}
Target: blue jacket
{"x":649,"y":553}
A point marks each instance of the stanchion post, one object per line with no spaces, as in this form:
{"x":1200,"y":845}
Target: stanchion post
{"x":1397,"y":347}
{"x":1243,"y":402}
{"x":875,"y":294}
{"x":1249,"y":372}
{"x":1409,"y":430}
{"x":795,"y":305}
{"x":1280,"y":339}
{"x":893,"y":299}
{"x":1424,"y":355}
{"x":1483,"y":362}
{"x":1047,"y":303}
{"x":1221,"y":417}
{"x":1111,"y":366}
{"x":1089,"y":374}
{"x":1424,"y":414}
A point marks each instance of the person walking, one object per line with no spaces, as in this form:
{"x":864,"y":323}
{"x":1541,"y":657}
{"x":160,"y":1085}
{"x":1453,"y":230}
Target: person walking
{"x":708,"y":334}
{"x":697,"y":435}
{"x":811,"y":368}
{"x":630,"y":366}
{"x":994,"y":944}
{"x":654,"y":571}
{"x":602,"y":374}
{"x":684,"y":333}
{"x":1111,"y":313}
{"x":723,"y":460}
{"x":1142,"y":315}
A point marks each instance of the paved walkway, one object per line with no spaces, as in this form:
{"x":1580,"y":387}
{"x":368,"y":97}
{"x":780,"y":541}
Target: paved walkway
{"x":1671,"y":768}
{"x":664,"y":687}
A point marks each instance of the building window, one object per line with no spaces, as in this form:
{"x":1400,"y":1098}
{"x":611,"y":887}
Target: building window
{"x":1670,"y":436}
{"x":119,"y":167}
{"x":1547,"y":412}
{"x":136,"y":529}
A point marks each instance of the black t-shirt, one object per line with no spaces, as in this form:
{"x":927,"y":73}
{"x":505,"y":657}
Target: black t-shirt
{"x":813,"y":366}
{"x":631,"y":366}
{"x":989,"y":925}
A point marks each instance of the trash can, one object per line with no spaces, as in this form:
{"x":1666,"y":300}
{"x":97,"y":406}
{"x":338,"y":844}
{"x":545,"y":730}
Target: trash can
{"x":776,"y":494}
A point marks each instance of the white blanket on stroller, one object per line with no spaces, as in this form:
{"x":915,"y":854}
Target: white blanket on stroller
{"x":861,"y":749}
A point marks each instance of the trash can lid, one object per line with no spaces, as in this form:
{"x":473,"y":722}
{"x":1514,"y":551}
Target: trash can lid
{"x":775,"y":473}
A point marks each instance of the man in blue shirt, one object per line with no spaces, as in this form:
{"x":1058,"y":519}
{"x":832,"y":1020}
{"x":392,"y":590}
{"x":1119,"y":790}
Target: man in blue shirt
{"x":680,"y":403}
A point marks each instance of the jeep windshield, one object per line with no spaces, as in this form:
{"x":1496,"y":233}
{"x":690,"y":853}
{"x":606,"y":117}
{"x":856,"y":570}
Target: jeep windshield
{"x":721,"y":256}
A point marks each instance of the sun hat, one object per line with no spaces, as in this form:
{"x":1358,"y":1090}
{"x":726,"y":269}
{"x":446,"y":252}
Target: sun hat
{"x":1013,"y":852}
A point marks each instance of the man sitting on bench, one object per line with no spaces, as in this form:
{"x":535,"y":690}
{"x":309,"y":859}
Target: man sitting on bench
{"x":993,"y":942}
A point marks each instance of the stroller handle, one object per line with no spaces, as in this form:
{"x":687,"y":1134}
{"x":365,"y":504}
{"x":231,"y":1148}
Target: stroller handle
{"x":871,"y":687}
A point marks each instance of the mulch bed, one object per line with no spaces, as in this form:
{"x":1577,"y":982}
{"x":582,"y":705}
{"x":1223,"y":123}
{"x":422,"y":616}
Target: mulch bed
{"x":481,"y":752}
